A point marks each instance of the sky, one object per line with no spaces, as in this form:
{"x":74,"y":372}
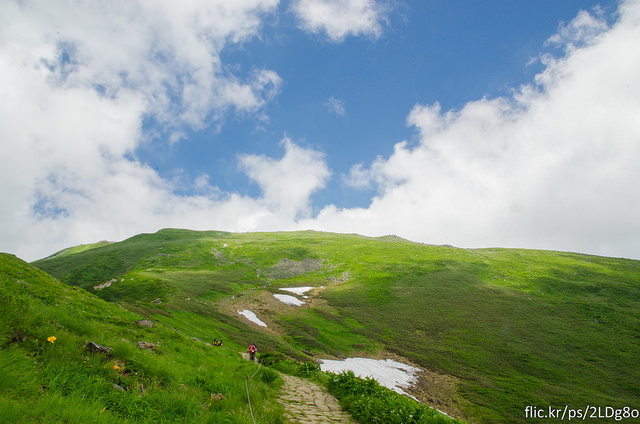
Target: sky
{"x":472,"y":124}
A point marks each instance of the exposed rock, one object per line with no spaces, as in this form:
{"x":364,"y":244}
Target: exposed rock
{"x":146,"y":345}
{"x":217,"y":397}
{"x":286,"y":268}
{"x":105,"y":285}
{"x":343,"y":278}
{"x":145,"y":323}
{"x":96,"y":348}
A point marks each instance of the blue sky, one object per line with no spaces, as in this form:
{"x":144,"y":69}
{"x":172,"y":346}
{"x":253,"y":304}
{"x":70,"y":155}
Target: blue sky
{"x":475,"y":124}
{"x":450,"y":52}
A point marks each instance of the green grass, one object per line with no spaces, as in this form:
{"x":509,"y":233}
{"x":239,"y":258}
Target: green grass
{"x":78,"y":249}
{"x":515,"y":327}
{"x":59,"y":381}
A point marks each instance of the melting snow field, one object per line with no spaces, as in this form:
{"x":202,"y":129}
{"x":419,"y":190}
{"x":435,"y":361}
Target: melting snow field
{"x":252,"y":317}
{"x":297,"y":290}
{"x":389,"y":373}
{"x":289,"y":300}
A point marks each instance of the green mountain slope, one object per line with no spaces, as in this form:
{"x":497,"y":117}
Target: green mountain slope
{"x":49,"y":375}
{"x":78,"y":249}
{"x":498,"y":329}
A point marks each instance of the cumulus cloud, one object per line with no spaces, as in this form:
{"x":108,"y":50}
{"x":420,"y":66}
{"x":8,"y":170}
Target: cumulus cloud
{"x":77,"y":80}
{"x":288,"y":183}
{"x":554,"y":166}
{"x":338,"y":19}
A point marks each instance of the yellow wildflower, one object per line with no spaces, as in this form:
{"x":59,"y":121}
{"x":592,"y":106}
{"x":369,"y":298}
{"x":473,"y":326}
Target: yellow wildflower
{"x":51,"y":339}
{"x":103,"y":409}
{"x":116,"y":367}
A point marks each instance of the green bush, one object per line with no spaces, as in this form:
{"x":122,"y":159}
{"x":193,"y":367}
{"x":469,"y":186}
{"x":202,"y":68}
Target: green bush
{"x":269,"y":358}
{"x":369,"y":402}
{"x":308,"y":369}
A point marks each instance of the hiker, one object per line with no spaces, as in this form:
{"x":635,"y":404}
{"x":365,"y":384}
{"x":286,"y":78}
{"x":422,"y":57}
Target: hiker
{"x":252,"y":351}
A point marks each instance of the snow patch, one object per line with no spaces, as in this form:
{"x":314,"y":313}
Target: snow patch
{"x":297,"y":290}
{"x":289,"y":300}
{"x":252,"y":317}
{"x":389,"y":373}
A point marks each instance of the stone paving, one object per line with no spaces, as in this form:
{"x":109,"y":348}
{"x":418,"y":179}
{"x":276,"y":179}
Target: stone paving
{"x":309,"y":403}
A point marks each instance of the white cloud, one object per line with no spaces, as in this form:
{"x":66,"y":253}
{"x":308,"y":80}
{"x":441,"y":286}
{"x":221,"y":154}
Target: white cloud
{"x":78,"y":78}
{"x":583,"y":29}
{"x":555,"y":166}
{"x":339,"y":19}
{"x":358,"y":177}
{"x":288,"y":183}
{"x":336,"y":106}
{"x":263,"y":86}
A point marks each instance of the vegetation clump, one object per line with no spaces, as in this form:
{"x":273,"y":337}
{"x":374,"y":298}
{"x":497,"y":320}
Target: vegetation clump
{"x":369,"y":402}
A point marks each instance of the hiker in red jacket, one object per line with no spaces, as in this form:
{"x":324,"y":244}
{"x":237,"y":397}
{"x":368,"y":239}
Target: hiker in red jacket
{"x":252,"y":351}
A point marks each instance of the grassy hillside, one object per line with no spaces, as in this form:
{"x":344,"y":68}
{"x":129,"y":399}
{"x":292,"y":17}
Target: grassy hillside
{"x":49,"y":376}
{"x":497,"y":329}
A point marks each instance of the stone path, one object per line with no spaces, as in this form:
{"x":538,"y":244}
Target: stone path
{"x":309,"y":403}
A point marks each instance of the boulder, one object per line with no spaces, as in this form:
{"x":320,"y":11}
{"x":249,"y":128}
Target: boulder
{"x":217,"y":397}
{"x":145,"y":323}
{"x":96,"y":348}
{"x":146,"y":345}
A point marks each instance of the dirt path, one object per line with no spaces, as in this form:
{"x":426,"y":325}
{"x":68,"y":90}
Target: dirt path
{"x":309,"y":403}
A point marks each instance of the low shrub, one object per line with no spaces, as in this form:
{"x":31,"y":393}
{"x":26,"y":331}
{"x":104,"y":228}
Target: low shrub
{"x":369,"y":402}
{"x":269,"y":358}
{"x":308,"y":369}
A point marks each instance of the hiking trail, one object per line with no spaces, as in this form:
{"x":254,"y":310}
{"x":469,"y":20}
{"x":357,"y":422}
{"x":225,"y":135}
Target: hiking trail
{"x":308,"y":403}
